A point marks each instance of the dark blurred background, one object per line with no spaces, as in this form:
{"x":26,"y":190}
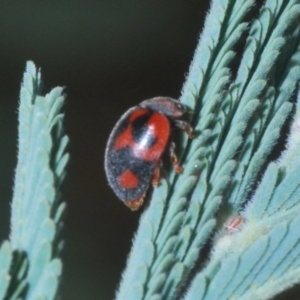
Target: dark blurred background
{"x":110,"y":55}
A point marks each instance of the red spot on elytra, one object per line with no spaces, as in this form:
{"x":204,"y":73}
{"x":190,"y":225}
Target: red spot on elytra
{"x":159,"y":127}
{"x":124,"y":139}
{"x":128,"y":180}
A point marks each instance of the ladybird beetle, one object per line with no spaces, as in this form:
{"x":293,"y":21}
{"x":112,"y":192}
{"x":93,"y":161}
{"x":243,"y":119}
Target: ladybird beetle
{"x":136,"y":144}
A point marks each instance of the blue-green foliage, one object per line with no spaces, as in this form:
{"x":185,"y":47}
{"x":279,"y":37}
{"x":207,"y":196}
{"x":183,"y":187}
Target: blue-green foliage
{"x":5,"y":263}
{"x":30,"y":267}
{"x":238,"y":117}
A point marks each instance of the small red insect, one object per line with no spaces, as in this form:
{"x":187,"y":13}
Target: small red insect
{"x":234,"y":224}
{"x":136,"y":144}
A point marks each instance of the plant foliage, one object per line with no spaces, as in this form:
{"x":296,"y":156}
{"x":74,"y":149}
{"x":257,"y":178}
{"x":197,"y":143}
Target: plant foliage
{"x":238,"y":118}
{"x":30,"y":267}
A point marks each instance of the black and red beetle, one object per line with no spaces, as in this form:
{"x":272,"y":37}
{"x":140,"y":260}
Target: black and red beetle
{"x":136,"y":144}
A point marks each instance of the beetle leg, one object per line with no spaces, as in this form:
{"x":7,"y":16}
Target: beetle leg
{"x":178,"y":168}
{"x":156,"y":175}
{"x":185,"y":127}
{"x":135,"y":204}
